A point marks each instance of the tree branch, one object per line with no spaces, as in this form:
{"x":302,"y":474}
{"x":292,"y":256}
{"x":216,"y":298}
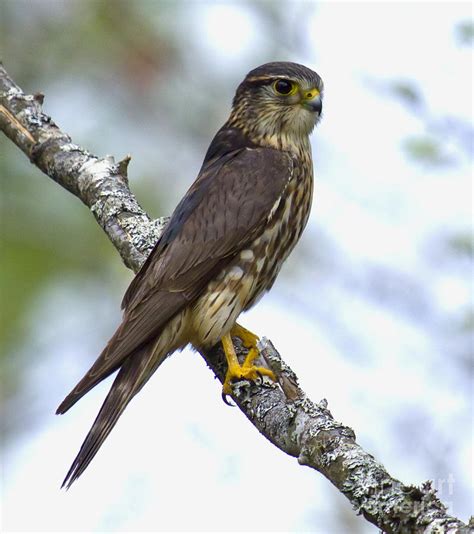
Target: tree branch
{"x":281,"y":412}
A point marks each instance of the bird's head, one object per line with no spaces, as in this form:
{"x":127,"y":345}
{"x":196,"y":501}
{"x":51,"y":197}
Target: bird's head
{"x":278,"y":104}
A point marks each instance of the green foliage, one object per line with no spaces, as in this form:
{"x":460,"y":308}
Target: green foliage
{"x":426,"y":150}
{"x":465,"y":32}
{"x":38,"y":220}
{"x":467,"y":325}
{"x":407,"y":92}
{"x":462,"y":245}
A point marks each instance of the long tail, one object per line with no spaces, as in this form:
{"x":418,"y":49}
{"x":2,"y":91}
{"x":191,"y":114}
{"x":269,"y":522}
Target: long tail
{"x":133,"y":374}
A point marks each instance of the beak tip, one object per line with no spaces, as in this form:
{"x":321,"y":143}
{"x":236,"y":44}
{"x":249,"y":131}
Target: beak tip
{"x":315,"y":105}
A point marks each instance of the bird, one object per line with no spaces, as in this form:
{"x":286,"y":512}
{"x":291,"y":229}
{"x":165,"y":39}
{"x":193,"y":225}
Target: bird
{"x":222,"y":248}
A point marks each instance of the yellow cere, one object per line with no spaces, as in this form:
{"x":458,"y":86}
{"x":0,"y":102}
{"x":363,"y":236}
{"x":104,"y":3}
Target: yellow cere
{"x":309,"y":95}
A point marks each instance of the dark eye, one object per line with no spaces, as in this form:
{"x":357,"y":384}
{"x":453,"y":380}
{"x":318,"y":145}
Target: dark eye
{"x":284,"y":87}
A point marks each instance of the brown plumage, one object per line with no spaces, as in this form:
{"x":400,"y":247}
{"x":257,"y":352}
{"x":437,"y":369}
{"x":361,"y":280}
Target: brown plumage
{"x":224,"y":244}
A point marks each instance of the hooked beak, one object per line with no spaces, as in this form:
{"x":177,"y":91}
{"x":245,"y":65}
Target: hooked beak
{"x":311,"y":100}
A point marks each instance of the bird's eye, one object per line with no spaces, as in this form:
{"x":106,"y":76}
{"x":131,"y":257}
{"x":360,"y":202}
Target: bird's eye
{"x":284,"y":87}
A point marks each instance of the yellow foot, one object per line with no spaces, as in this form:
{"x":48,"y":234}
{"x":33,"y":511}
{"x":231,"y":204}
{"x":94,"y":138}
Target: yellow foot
{"x":249,"y":339}
{"x":246,"y":371}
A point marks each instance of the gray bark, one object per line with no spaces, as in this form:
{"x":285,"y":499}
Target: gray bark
{"x":281,"y":412}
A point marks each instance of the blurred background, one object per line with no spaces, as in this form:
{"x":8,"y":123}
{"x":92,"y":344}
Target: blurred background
{"x":373,"y":310}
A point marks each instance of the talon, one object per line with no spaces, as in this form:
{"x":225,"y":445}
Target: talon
{"x":224,"y":398}
{"x":246,"y":371}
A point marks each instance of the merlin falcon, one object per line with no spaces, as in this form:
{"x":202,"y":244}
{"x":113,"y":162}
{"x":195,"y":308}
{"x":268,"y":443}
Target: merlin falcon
{"x":222,"y":248}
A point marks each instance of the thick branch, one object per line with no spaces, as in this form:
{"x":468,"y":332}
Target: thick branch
{"x":281,"y":412}
{"x":100,"y":183}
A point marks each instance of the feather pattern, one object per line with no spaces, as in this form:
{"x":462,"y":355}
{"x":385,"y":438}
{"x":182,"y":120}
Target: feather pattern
{"x":221,"y":250}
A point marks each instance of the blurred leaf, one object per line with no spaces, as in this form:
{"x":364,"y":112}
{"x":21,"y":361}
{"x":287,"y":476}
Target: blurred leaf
{"x":426,"y":150}
{"x":45,"y":235}
{"x":407,"y":93}
{"x":462,"y":245}
{"x":465,"y":32}
{"x":467,"y":324}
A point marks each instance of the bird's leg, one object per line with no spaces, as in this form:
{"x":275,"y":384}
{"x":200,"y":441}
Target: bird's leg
{"x":235,"y":371}
{"x":249,"y":341}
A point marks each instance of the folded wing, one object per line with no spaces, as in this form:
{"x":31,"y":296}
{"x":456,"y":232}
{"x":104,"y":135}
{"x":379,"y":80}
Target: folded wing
{"x":225,"y":209}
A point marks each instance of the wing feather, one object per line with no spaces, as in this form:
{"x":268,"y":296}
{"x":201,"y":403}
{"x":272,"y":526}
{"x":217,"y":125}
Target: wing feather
{"x":225,"y":209}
